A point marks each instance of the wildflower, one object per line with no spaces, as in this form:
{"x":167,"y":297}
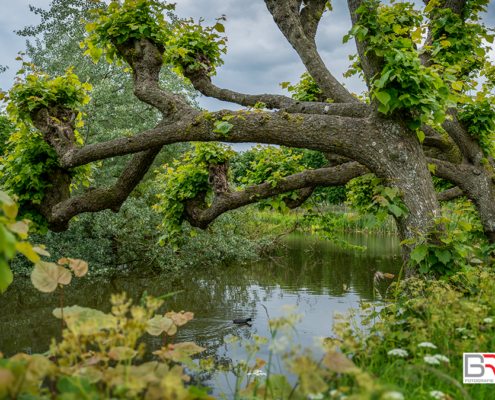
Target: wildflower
{"x":257,"y":372}
{"x":317,"y":396}
{"x":460,"y":329}
{"x":488,"y":320}
{"x":437,"y":394}
{"x":393,"y":396}
{"x":398,"y":352}
{"x":278,"y":345}
{"x":427,"y":344}
{"x":431,"y":360}
{"x":441,"y":358}
{"x":464,"y":337}
{"x":334,"y":392}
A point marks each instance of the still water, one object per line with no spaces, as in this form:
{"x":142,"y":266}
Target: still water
{"x":308,"y":274}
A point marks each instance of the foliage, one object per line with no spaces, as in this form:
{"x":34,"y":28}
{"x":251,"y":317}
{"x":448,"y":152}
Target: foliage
{"x":457,"y":40}
{"x":371,"y":198}
{"x":315,"y":159}
{"x":306,"y":89}
{"x":185,"y":180}
{"x":95,"y":358}
{"x":126,"y":243}
{"x":392,"y":32}
{"x":270,"y":165}
{"x":29,"y":159}
{"x":460,"y":242}
{"x":37,"y":91}
{"x":26,"y":165}
{"x":418,"y":342}
{"x":187,"y":45}
{"x":6,"y":128}
{"x":12,"y":240}
{"x":123,"y":21}
{"x":478,"y":118}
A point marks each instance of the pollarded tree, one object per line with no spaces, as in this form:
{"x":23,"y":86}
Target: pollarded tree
{"x":419,"y":66}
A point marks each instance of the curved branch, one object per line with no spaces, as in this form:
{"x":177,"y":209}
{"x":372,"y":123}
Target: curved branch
{"x":98,"y":199}
{"x":468,"y":146}
{"x":200,"y":217}
{"x":286,"y":16}
{"x":450,"y":194}
{"x":202,"y":83}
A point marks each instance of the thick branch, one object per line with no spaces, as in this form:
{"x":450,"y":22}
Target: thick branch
{"x":450,"y":194}
{"x":468,"y":146}
{"x":98,"y":199}
{"x":199,"y":217}
{"x":453,"y":173}
{"x":333,"y":134}
{"x":286,"y":16}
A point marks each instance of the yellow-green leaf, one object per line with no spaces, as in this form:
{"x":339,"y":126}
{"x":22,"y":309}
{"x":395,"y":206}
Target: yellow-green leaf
{"x":19,"y":227}
{"x":47,"y":276}
{"x":6,"y":276}
{"x":26,"y":249}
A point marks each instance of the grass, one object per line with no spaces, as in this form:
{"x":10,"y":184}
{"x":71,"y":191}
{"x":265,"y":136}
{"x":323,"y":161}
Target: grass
{"x":342,"y":219}
{"x":417,"y":343}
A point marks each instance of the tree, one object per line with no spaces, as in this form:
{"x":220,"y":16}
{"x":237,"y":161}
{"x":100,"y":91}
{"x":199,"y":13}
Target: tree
{"x":418,"y":118}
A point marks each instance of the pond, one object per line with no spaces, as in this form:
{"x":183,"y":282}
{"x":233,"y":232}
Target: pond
{"x":309,"y":274}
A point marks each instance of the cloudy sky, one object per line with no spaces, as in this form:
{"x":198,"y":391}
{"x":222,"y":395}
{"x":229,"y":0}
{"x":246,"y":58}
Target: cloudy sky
{"x":258,"y":57}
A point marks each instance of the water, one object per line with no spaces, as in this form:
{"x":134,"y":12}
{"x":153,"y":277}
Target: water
{"x":309,"y":274}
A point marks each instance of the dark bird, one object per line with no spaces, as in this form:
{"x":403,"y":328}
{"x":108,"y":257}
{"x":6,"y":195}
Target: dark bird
{"x":242,"y":321}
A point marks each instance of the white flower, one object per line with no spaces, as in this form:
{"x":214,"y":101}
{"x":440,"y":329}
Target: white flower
{"x":334,"y":392}
{"x":257,"y":372}
{"x":488,"y":320}
{"x":393,"y":396}
{"x":398,"y":352}
{"x":431,"y":360}
{"x":318,"y":396}
{"x":437,"y":394}
{"x":427,"y":344}
{"x":441,"y":358}
{"x":460,"y":329}
{"x":464,"y":337}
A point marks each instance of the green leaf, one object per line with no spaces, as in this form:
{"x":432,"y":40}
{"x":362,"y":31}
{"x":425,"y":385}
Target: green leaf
{"x":396,"y":210}
{"x":443,"y":256}
{"x":222,"y":127}
{"x":413,"y":125}
{"x":96,"y":53}
{"x":465,"y":225}
{"x":421,"y":136}
{"x":384,"y":97}
{"x":6,"y":276}
{"x":419,"y":253}
{"x":219,"y":27}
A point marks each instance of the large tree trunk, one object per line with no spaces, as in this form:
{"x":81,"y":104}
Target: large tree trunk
{"x":402,"y":164}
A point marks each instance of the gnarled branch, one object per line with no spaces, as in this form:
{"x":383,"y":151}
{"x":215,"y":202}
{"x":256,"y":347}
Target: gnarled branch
{"x":290,"y":22}
{"x":199,"y":215}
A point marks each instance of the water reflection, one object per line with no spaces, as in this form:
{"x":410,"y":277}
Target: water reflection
{"x":310,"y":274}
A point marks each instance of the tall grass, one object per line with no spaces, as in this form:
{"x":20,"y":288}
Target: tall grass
{"x":342,"y":218}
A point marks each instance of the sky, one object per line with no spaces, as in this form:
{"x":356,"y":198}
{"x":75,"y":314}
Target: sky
{"x":258,"y":57}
